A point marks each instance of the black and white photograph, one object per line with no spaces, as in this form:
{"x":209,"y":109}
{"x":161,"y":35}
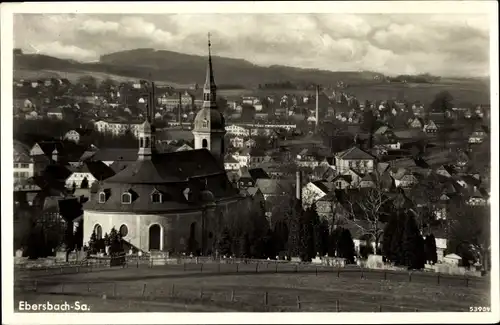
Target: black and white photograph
{"x":249,"y":162}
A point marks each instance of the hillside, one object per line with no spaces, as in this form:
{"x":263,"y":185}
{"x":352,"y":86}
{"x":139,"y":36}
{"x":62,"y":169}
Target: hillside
{"x":178,"y":68}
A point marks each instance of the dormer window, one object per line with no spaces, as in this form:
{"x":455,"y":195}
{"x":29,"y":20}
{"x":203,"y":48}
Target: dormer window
{"x":205,"y":123}
{"x":126,"y":198}
{"x":102,"y":197}
{"x":156,"y":196}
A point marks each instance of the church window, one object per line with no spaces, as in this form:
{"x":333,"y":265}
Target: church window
{"x":204,"y":143}
{"x":123,"y":230}
{"x":98,"y":231}
{"x":126,"y":198}
{"x":205,"y":123}
{"x":102,"y":197}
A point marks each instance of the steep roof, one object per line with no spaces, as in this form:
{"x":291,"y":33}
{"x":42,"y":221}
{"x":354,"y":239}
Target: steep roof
{"x":257,"y":173}
{"x":354,"y":153}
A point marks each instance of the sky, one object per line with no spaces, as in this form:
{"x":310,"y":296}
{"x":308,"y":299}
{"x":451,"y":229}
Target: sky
{"x":442,"y":44}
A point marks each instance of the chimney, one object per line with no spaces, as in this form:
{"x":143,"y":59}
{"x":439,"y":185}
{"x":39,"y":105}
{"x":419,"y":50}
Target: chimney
{"x":317,"y":106}
{"x":298,"y":185}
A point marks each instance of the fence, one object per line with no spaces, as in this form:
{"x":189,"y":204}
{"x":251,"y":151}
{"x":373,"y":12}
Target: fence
{"x":240,"y":300}
{"x":243,"y":266}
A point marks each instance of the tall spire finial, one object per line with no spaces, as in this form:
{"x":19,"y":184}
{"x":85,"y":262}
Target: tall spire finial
{"x":209,"y":90}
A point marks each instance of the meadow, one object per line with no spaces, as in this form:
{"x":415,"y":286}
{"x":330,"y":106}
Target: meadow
{"x":222,"y":287}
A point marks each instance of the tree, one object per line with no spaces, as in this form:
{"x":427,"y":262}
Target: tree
{"x":294,"y":230}
{"x":306,"y":239}
{"x":469,"y":231}
{"x":369,"y":209}
{"x":412,"y":245}
{"x":244,"y":245}
{"x":430,"y":249}
{"x":393,"y":238}
{"x":84,"y":183}
{"x":93,"y":249}
{"x":442,"y":102}
{"x":346,"y":246}
{"x":89,"y":82}
{"x":224,"y":243}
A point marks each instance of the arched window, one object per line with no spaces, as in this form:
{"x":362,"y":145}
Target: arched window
{"x":123,"y":230}
{"x":204,"y":143}
{"x":98,"y":231}
{"x":205,"y":123}
{"x":102,"y":197}
{"x":126,"y":198}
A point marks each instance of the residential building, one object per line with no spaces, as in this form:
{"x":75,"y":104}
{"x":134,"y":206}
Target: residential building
{"x":355,"y":159}
{"x":237,"y":130}
{"x":237,"y":142}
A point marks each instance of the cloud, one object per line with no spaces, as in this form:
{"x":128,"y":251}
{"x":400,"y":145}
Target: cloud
{"x":447,"y":45}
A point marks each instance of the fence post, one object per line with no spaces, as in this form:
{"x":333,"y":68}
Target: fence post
{"x":380,"y":308}
{"x":144,"y":289}
{"x":466,"y":282}
{"x":362,"y":274}
{"x":77,"y":269}
{"x":184,"y":266}
{"x":232,"y":295}
{"x":416,"y":310}
{"x":218,"y":267}
{"x":62,"y":287}
{"x":173,"y":290}
{"x":61,"y":269}
{"x":276,"y":267}
{"x":298,"y":302}
{"x":316,"y":271}
{"x":237,"y":267}
{"x":201,"y":292}
{"x":35,"y":284}
{"x":296,"y":268}
{"x":409,"y":276}
{"x":257,"y":267}
{"x":137,"y":262}
{"x":385,"y":275}
{"x":338,"y":272}
{"x":337,"y":305}
{"x":88,"y":286}
{"x":114,"y":289}
{"x":201,"y":268}
{"x":265,"y":298}
{"x":439,"y":275}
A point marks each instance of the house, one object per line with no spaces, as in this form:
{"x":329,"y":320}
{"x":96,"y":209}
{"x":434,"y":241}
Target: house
{"x":33,"y":115}
{"x":91,"y":171}
{"x":184,"y":147}
{"x":478,"y":136}
{"x":403,"y":177}
{"x":55,"y":112}
{"x":342,"y":182}
{"x":242,"y":156}
{"x":245,"y":180}
{"x":368,"y":181}
{"x":230,"y":163}
{"x":430,"y":127}
{"x":356,"y":159}
{"x":258,"y":156}
{"x":76,"y":135}
{"x":237,"y":130}
{"x":258,"y":173}
{"x":24,"y":166}
{"x":416,"y":123}
{"x":329,"y":208}
{"x":250,"y":143}
{"x":313,"y":191}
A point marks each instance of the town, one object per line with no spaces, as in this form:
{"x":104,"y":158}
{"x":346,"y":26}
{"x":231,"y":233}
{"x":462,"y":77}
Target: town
{"x":105,"y":168}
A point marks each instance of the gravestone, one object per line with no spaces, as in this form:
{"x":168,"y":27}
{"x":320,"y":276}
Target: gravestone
{"x":375,"y":262}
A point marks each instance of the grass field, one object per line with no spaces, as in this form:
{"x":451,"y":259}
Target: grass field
{"x":222,"y":289}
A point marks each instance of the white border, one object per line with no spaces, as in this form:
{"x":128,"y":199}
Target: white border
{"x":445,"y":7}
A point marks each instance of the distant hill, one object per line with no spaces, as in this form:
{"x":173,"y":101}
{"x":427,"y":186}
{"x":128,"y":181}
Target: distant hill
{"x":178,"y":68}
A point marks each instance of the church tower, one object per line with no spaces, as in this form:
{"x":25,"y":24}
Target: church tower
{"x":146,"y":132}
{"x":209,"y":125}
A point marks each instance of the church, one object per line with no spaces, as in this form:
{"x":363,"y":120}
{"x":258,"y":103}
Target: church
{"x":173,"y":202}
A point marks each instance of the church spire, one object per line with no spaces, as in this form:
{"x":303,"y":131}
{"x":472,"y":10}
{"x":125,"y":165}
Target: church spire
{"x":209,"y":89}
